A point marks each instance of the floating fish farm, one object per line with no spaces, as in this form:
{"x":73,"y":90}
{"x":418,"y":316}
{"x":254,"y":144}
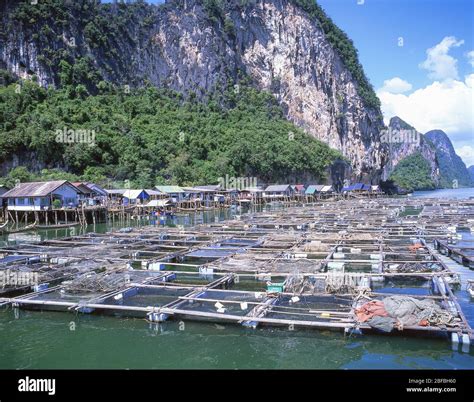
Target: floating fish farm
{"x":358,"y":267}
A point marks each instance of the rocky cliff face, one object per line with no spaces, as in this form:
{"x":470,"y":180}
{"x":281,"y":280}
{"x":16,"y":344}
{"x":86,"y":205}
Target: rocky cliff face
{"x":194,"y":47}
{"x":452,"y":168}
{"x":470,"y":169}
{"x":405,"y":140}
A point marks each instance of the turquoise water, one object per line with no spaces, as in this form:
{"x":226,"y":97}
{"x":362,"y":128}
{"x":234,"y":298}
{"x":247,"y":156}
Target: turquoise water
{"x":45,"y":340}
{"x":446,"y":193}
{"x":30,"y":340}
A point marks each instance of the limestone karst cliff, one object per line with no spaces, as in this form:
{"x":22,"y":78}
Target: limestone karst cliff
{"x":198,"y":46}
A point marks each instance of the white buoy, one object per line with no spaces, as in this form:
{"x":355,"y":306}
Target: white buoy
{"x":295,"y":299}
{"x":466,"y":343}
{"x":455,"y":341}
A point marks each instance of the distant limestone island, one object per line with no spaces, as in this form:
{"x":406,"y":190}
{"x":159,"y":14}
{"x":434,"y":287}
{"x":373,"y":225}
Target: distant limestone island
{"x":422,"y":161}
{"x":470,"y":169}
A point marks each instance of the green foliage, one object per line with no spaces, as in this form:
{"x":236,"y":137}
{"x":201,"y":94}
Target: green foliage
{"x":214,"y":9}
{"x":18,"y":175}
{"x":57,"y":204}
{"x":344,"y":46}
{"x":153,"y":136}
{"x":55,"y":174}
{"x":229,"y":27}
{"x":413,"y":173}
{"x":21,"y":174}
{"x":65,"y":30}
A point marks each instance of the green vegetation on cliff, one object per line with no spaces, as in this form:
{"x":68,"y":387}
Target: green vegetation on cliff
{"x":152,"y":136}
{"x":413,"y":173}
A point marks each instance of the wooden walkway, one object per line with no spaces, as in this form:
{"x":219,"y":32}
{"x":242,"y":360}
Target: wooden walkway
{"x":301,"y":267}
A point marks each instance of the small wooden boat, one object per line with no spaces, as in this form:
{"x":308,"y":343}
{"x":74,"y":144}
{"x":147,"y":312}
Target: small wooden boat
{"x":19,"y":230}
{"x":35,"y":226}
{"x":58,"y":226}
{"x":3,"y":227}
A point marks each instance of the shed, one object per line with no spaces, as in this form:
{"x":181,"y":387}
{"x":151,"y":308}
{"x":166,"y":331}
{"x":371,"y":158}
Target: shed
{"x":176,"y":193}
{"x":135,"y":196}
{"x":314,"y":189}
{"x":155,"y":194}
{"x":326,"y":189}
{"x":278,"y":190}
{"x":299,"y":188}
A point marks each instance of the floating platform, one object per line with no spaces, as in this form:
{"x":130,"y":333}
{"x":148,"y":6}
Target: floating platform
{"x":339,"y":265}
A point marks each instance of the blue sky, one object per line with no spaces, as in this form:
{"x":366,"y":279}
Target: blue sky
{"x":419,"y":56}
{"x":428,"y":80}
{"x":376,"y":26}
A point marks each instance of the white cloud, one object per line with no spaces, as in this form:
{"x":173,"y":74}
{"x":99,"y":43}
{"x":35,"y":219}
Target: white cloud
{"x":396,"y":85}
{"x":466,"y":152}
{"x":444,"y":105}
{"x":439,"y":63}
{"x":470,"y":57}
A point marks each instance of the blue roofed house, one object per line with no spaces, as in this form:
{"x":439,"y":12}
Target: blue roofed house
{"x":357,"y":188}
{"x":134,"y":197}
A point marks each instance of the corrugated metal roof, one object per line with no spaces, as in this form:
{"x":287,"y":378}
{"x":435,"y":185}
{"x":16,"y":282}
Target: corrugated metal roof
{"x":36,"y":189}
{"x":82,"y":187}
{"x":116,"y":191}
{"x":169,"y":189}
{"x":326,"y":189}
{"x":133,"y":194}
{"x":215,"y":187}
{"x":278,"y":188}
{"x":99,"y":190}
{"x":153,"y":192}
{"x":191,"y":190}
{"x":315,"y":188}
